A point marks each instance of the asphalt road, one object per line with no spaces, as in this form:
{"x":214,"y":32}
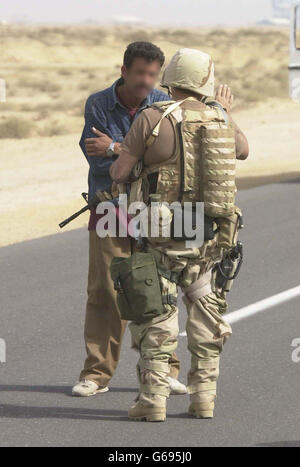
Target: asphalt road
{"x":43,"y":296}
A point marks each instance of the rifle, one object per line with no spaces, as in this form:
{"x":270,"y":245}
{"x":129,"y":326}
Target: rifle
{"x":100,"y":196}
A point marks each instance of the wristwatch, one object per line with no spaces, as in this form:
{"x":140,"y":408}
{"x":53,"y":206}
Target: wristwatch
{"x":111,"y":149}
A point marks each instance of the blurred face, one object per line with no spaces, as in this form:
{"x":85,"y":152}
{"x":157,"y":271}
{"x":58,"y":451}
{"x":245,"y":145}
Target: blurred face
{"x":141,"y":77}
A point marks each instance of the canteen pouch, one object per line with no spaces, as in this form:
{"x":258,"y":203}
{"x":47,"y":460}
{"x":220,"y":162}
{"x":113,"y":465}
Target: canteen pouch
{"x":137,"y":284}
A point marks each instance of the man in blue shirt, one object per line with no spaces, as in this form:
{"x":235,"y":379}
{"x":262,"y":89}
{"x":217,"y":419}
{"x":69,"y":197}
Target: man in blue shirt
{"x":108,"y":117}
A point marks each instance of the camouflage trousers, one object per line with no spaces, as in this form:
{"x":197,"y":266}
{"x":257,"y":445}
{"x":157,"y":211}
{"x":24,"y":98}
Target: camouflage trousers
{"x":207,"y":332}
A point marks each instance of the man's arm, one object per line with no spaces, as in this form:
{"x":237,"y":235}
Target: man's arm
{"x":95,"y":118}
{"x":225,"y":98}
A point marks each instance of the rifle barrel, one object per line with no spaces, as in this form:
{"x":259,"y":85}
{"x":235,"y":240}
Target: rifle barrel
{"x":76,"y":214}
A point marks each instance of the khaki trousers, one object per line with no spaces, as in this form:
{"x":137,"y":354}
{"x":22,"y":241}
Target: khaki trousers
{"x":104,"y":329}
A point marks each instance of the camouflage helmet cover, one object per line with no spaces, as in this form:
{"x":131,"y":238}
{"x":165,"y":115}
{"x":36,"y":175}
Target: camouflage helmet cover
{"x":192,"y":70}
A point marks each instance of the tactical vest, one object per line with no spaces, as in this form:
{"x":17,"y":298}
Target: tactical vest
{"x":203,"y":166}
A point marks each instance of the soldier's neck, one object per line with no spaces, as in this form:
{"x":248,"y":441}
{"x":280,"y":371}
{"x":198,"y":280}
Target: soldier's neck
{"x":178,"y":95}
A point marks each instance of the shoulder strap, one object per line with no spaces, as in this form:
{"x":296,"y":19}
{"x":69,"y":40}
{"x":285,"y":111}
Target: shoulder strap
{"x":155,"y":131}
{"x":171,"y":108}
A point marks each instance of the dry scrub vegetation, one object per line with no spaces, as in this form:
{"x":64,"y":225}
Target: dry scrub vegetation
{"x":50,"y":71}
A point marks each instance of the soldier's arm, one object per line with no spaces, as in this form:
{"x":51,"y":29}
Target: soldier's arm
{"x":121,"y":169}
{"x":225,"y":98}
{"x":241,"y":142}
{"x":132,"y":149}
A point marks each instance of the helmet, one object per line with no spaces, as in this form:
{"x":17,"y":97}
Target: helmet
{"x":192,"y":70}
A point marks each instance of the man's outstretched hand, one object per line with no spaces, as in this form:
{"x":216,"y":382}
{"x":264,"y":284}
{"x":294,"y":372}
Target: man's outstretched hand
{"x":224,"y":96}
{"x":97,"y":146}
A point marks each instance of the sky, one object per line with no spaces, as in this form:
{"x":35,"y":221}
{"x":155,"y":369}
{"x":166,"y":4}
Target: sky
{"x":153,"y":12}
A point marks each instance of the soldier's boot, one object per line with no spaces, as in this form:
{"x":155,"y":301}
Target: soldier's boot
{"x":153,"y":413}
{"x":202,"y":409}
{"x":151,"y":404}
{"x":202,"y":398}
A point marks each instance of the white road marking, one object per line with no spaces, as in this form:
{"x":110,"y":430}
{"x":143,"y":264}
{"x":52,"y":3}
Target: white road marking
{"x":262,"y":305}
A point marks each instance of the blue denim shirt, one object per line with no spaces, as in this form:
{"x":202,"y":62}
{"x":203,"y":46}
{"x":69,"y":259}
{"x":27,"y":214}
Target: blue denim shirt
{"x":104,"y":111}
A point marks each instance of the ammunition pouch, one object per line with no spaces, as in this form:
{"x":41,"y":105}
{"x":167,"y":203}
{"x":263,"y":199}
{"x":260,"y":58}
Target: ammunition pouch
{"x":160,"y":218}
{"x":136,"y":281}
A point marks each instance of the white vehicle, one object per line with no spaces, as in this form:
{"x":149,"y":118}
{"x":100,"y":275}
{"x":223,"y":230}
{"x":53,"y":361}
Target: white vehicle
{"x":282,"y":8}
{"x":281,"y":12}
{"x":294,"y":68}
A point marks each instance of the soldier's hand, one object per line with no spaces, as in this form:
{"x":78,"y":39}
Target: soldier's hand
{"x":97,"y":146}
{"x":224,"y":96}
{"x":114,"y":187}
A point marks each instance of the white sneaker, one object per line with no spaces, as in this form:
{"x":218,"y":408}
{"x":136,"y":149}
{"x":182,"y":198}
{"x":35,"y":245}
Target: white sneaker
{"x":176,"y":386}
{"x":87,"y":388}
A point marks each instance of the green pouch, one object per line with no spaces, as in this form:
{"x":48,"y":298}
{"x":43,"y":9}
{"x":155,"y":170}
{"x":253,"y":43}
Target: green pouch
{"x":137,"y":283}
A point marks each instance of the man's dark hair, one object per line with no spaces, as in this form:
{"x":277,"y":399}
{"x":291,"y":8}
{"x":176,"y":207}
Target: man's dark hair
{"x":146,"y":50}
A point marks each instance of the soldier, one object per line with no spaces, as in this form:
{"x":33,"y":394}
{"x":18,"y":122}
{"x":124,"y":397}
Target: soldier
{"x":171,"y":139}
